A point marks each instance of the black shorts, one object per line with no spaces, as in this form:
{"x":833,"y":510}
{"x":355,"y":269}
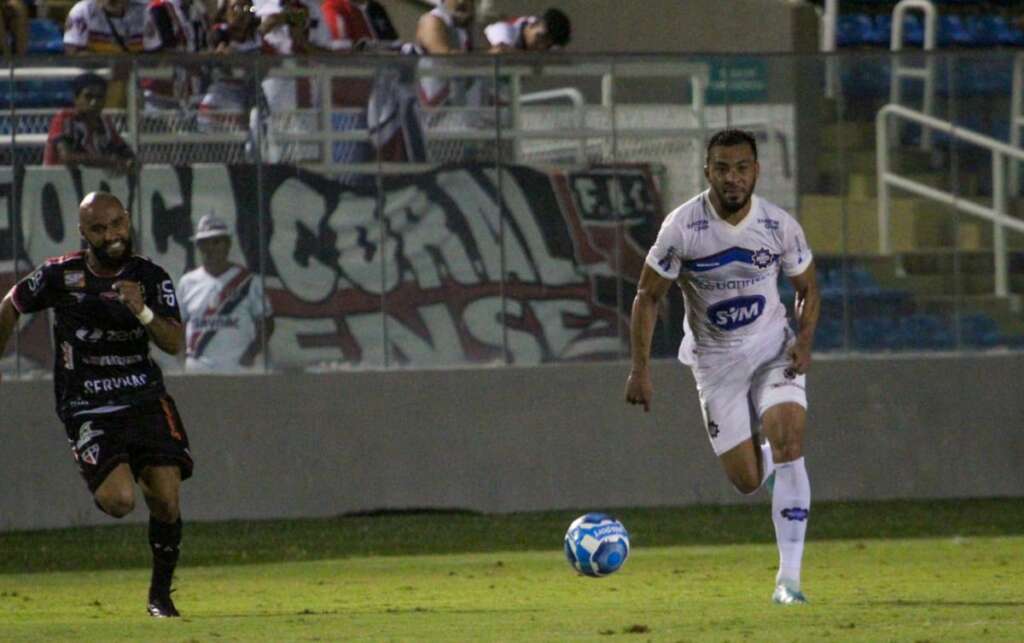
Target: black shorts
{"x":146,"y":433}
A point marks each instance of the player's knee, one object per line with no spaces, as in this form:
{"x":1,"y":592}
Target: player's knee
{"x":786,"y":449}
{"x":164,"y":509}
{"x":116,"y":502}
{"x":745,"y":482}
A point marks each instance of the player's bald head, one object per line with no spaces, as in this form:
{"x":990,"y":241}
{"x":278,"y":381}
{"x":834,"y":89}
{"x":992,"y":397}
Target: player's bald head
{"x":96,"y":203}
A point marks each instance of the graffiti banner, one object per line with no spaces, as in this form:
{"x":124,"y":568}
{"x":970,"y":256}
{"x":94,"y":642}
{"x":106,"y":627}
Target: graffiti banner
{"x":459,"y":265}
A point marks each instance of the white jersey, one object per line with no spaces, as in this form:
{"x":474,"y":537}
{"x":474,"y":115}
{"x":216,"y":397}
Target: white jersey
{"x":729,"y":274}
{"x":220,"y":315}
{"x":509,"y":32}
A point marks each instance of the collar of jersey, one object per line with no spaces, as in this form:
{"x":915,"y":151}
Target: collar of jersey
{"x":742,"y":225}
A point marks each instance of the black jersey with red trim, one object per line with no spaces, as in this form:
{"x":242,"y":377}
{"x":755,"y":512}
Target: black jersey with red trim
{"x":101,"y":351}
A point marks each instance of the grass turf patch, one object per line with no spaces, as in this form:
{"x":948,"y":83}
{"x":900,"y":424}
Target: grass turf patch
{"x":410,"y":533}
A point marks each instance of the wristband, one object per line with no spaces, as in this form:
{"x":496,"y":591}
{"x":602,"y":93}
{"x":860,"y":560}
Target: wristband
{"x":146,"y":316}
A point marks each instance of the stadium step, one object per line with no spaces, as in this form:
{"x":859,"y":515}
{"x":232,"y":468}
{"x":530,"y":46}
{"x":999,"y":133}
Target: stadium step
{"x":914,"y":224}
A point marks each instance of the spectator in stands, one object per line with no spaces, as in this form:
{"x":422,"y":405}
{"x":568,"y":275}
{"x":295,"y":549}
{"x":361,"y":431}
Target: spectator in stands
{"x":359,"y":25}
{"x":175,"y":26}
{"x":107,"y":27}
{"x":82,"y":135}
{"x":226,"y":313}
{"x":530,"y":33}
{"x":291,"y":27}
{"x":13,"y":27}
{"x":231,"y":94}
{"x":441,"y":31}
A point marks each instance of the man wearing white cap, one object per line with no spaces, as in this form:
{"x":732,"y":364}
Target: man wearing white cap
{"x":226,"y":313}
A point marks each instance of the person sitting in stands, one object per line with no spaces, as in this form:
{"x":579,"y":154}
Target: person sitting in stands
{"x":82,"y":135}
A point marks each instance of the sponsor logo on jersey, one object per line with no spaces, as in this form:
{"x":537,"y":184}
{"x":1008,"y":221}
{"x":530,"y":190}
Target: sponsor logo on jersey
{"x":215,"y":322}
{"x":112,"y":360}
{"x":74,"y":279}
{"x":736,"y":312}
{"x":68,"y":353}
{"x":698,"y":226}
{"x":91,"y":455}
{"x":86,"y":434}
{"x":98,"y":334}
{"x":108,"y":384}
{"x":769,"y":224}
{"x":731,"y":284}
{"x":35,"y":280}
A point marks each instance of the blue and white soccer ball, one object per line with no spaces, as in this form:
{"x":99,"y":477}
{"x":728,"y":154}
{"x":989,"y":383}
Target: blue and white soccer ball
{"x":596,"y":544}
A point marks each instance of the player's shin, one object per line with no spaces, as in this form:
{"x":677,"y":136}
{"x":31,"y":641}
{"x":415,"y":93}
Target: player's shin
{"x":165,"y":543}
{"x":791,"y":505}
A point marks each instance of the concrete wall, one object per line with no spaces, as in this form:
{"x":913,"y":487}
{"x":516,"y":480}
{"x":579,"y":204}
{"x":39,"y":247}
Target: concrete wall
{"x":513,"y":439}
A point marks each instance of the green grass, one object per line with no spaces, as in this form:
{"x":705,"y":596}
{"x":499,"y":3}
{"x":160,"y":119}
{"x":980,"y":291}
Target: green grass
{"x":894,"y":571}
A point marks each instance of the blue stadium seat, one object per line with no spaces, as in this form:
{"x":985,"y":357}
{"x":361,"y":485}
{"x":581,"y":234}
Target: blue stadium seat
{"x":926,"y":332}
{"x":45,"y":37}
{"x":979,"y":330}
{"x":953,"y":33}
{"x":854,"y":30}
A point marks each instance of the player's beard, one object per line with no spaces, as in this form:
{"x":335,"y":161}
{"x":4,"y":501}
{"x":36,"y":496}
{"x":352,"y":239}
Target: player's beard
{"x":732,"y":207}
{"x":107,"y":260}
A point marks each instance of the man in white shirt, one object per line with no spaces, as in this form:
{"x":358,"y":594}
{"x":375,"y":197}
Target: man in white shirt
{"x":530,"y":33}
{"x":227,"y":316}
{"x":726,"y":248}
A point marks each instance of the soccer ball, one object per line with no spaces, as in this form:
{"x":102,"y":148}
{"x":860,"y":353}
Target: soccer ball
{"x":596,"y":544}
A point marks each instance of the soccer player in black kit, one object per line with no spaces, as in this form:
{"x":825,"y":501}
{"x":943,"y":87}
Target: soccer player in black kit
{"x":123,"y":427}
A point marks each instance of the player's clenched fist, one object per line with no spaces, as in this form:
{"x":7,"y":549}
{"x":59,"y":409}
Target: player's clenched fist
{"x":130,"y":294}
{"x":639,"y":389}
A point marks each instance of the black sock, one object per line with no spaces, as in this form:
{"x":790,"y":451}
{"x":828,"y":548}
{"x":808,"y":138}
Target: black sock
{"x":165,"y":543}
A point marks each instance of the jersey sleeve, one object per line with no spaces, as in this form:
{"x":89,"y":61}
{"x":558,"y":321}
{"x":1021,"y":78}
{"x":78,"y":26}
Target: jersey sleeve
{"x":665,"y":256}
{"x":76,"y":27}
{"x":796,"y":254}
{"x":38,"y":291}
{"x":161,"y":296}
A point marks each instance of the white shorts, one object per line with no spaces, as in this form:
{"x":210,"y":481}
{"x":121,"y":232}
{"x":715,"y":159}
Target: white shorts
{"x":736,"y":390}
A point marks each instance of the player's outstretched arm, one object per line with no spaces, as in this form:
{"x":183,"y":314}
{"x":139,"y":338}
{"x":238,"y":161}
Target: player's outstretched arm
{"x":807,"y":307}
{"x":650,"y":290}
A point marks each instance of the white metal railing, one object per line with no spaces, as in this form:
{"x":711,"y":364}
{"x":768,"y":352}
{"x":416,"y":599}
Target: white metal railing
{"x":1016,"y":119}
{"x":697,"y":73}
{"x":997,"y":214}
{"x":829,"y":26}
{"x":901,"y":70}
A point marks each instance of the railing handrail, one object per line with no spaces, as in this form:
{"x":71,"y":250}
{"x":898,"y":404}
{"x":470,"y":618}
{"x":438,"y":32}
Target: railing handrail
{"x":925,"y":73}
{"x":996,"y":214}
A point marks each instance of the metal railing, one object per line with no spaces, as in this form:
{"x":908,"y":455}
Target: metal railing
{"x":510,"y":72}
{"x":901,"y":70}
{"x":996,"y":214}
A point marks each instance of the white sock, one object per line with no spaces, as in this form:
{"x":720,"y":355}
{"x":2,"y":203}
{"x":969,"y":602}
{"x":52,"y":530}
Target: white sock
{"x":767,"y":464}
{"x":791,"y":505}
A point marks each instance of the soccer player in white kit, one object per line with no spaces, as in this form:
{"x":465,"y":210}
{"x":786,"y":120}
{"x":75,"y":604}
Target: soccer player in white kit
{"x":726,"y":247}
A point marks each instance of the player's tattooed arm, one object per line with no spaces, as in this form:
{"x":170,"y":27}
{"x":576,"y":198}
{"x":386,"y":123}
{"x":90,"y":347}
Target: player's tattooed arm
{"x":807,"y":307}
{"x":168,"y":334}
{"x":650,"y":290}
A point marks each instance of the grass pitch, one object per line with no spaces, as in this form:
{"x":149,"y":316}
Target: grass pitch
{"x":946,"y":571}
